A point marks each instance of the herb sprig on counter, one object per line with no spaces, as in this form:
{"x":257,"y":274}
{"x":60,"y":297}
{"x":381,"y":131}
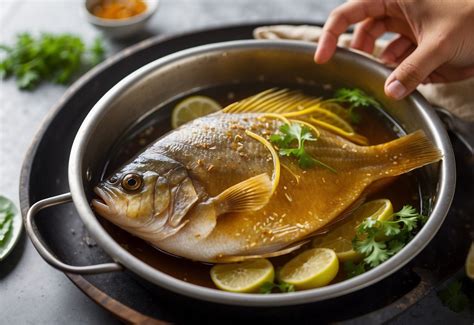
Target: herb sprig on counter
{"x":378,"y":240}
{"x":56,"y":58}
{"x":355,"y":98}
{"x":291,"y":142}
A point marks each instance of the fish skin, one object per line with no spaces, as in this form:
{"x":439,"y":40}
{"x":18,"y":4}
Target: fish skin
{"x":215,"y":153}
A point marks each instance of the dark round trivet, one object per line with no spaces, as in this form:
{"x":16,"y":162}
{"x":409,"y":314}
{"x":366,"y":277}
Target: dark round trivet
{"x":44,"y":174}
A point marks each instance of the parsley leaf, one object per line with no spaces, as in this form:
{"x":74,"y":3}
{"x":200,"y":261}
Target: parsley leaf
{"x":283,"y":287}
{"x":395,"y":232}
{"x":355,"y":98}
{"x":53,"y":57}
{"x":295,"y":134}
{"x":453,"y":297}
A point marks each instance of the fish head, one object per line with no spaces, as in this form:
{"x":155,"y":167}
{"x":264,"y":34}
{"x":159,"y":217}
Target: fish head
{"x":147,"y":192}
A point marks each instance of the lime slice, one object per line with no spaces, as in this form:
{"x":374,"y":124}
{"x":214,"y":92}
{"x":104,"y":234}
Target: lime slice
{"x":311,"y":269}
{"x":246,"y":276}
{"x":470,"y":262}
{"x":192,"y":108}
{"x":340,"y":238}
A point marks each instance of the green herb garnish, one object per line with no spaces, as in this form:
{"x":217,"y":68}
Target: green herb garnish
{"x":355,"y":98}
{"x":7,"y":212}
{"x":453,"y":297}
{"x":268,"y":287}
{"x":48,"y":57}
{"x":398,"y":231}
{"x":354,"y":269}
{"x":379,"y":240}
{"x":291,"y":143}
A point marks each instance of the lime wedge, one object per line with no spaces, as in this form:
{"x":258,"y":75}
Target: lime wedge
{"x":340,"y":238}
{"x":247,"y":276}
{"x":311,"y":269}
{"x":192,"y":108}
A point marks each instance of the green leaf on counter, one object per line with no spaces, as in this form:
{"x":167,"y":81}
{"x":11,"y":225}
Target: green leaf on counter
{"x":52,"y":57}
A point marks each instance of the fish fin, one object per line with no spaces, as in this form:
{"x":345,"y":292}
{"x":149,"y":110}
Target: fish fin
{"x":284,"y":251}
{"x":273,"y":100}
{"x":283,"y":104}
{"x":402,"y":155}
{"x":249,"y":195}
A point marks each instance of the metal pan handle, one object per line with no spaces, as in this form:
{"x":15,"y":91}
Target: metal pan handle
{"x":44,"y":251}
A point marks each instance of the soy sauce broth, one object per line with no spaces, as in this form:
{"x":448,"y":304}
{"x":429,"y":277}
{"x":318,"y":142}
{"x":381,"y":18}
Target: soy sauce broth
{"x":375,"y":125}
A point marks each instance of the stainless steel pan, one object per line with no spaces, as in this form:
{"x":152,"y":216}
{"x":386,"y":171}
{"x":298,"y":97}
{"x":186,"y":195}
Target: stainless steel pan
{"x":148,"y":88}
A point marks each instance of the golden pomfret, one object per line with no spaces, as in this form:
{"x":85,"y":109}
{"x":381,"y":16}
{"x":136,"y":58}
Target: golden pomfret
{"x":215,"y":189}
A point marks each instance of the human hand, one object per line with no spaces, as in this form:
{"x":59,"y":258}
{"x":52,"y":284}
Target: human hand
{"x":435,"y":42}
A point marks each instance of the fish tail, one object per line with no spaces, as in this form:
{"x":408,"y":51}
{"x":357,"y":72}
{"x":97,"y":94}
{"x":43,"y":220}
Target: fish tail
{"x":409,"y":152}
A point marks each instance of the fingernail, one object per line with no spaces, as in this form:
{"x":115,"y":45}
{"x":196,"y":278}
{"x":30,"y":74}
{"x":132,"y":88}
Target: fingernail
{"x":396,"y":89}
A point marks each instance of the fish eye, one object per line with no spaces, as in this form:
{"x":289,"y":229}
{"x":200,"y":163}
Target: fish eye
{"x":132,"y":182}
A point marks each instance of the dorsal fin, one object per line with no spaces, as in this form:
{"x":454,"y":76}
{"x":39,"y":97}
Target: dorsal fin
{"x":295,"y":104}
{"x":273,"y":100}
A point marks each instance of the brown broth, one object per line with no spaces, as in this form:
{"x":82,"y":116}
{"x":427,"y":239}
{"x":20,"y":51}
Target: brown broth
{"x":374,"y":125}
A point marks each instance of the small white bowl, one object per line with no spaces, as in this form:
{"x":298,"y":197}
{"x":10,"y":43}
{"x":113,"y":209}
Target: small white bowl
{"x":120,"y":28}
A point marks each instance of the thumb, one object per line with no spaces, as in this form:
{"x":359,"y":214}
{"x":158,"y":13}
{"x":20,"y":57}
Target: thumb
{"x":412,"y":71}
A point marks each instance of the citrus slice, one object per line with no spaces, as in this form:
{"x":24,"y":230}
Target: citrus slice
{"x":313,"y":268}
{"x":340,"y":238}
{"x":470,"y":262}
{"x":247,"y":276}
{"x":192,"y":108}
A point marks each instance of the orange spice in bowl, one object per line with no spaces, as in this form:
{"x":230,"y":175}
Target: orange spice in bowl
{"x":118,"y":9}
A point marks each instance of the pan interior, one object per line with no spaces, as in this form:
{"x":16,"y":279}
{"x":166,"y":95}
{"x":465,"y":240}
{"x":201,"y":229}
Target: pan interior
{"x":144,"y":95}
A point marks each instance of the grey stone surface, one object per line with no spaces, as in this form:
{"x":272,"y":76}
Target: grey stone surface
{"x":31,"y":292}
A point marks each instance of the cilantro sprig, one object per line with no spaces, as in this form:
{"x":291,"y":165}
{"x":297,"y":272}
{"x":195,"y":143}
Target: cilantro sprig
{"x":354,"y":98}
{"x":290,"y":142}
{"x":378,"y":240}
{"x":53,"y":57}
{"x":270,"y":287}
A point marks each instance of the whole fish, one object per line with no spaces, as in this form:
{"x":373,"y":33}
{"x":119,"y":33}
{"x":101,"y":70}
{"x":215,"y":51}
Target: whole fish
{"x":215,"y":189}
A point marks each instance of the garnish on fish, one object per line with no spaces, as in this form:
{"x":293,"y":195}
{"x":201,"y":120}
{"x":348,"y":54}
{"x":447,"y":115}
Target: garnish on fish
{"x":216,"y":190}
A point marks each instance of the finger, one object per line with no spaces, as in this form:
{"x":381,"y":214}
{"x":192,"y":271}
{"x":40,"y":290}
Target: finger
{"x":396,"y":49}
{"x":366,"y":33}
{"x":338,"y":22}
{"x":413,"y":70}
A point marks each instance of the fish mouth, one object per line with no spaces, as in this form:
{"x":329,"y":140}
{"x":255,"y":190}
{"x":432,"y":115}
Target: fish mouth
{"x":102,"y":204}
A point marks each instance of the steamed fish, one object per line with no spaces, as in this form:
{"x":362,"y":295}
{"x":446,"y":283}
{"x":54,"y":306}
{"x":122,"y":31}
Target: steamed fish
{"x":216,"y":190}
